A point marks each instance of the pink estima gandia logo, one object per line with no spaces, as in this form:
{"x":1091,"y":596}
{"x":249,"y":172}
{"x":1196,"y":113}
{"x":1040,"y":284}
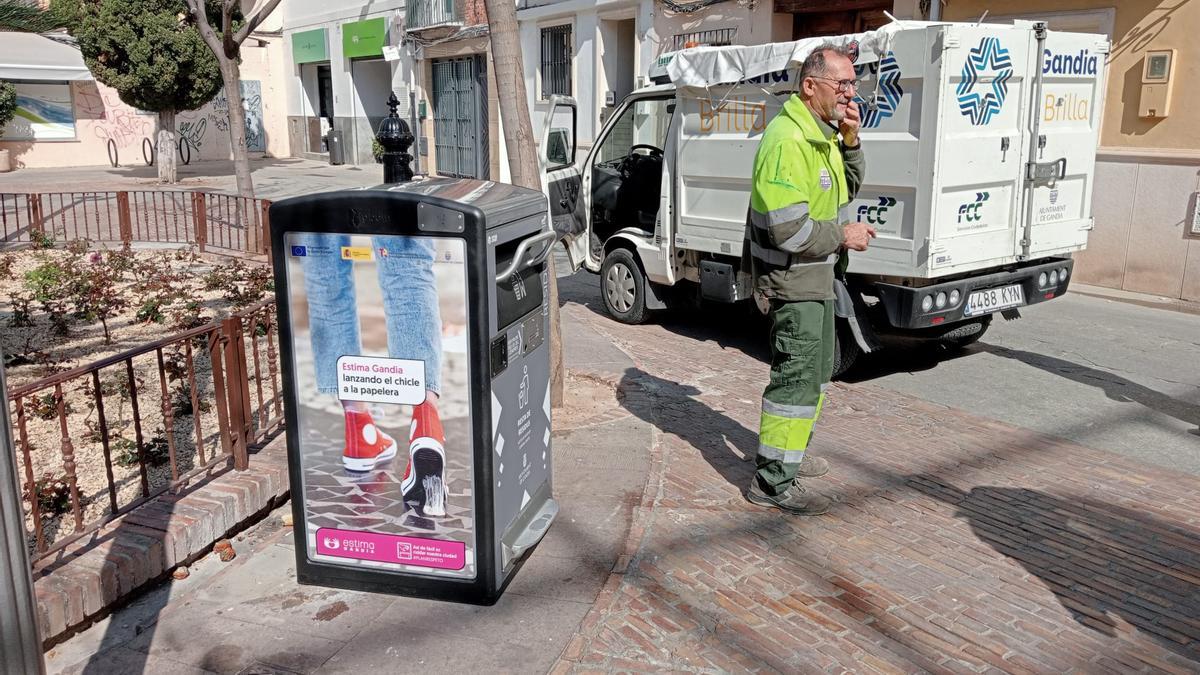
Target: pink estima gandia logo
{"x":390,"y":548}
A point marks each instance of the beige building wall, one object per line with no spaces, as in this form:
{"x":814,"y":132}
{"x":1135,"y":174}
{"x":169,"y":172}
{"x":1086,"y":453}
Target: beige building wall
{"x":101,"y":117}
{"x":1148,"y":170}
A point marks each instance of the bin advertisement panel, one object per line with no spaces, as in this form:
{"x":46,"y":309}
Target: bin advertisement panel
{"x":379,"y":325}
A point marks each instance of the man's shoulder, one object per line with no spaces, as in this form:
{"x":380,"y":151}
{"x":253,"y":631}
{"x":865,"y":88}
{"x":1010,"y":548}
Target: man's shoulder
{"x":782,"y":132}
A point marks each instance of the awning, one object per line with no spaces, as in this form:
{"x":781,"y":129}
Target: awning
{"x":28,"y":56}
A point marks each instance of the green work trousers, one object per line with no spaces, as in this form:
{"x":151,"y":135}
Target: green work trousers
{"x":802,"y":346}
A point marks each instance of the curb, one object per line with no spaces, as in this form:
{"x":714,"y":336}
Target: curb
{"x":88,"y":580}
{"x":608,"y":600}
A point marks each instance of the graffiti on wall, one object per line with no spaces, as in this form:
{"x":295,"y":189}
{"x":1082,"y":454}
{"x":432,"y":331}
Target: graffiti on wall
{"x":194,"y":131}
{"x":252,"y":109}
{"x":111,"y":119}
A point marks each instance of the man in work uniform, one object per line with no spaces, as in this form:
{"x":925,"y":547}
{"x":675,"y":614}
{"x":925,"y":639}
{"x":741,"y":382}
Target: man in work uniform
{"x":799,"y":232}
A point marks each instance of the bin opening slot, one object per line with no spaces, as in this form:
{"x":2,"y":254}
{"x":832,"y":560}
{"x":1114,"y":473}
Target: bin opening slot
{"x":519,"y":294}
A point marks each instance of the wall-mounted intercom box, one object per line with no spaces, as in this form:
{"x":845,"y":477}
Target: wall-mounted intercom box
{"x":1155,"y":101}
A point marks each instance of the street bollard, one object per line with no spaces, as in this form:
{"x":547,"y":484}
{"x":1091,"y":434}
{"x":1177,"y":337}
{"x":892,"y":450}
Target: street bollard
{"x":395,"y":137}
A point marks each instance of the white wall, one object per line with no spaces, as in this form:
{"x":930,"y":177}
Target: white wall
{"x":348,"y":100}
{"x":755,"y":24}
{"x":596,"y":59}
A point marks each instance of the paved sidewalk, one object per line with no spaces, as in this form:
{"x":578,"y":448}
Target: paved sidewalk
{"x":250,"y":615}
{"x":957,"y":544}
{"x":273,"y":178}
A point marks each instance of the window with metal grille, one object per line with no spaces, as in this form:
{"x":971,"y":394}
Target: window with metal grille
{"x":556,"y":61}
{"x":719,"y":37}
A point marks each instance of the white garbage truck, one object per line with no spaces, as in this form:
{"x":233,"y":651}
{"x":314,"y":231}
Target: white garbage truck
{"x":980,"y":142}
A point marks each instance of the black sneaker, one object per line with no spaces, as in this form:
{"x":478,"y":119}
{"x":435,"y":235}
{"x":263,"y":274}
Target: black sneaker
{"x":796,"y":499}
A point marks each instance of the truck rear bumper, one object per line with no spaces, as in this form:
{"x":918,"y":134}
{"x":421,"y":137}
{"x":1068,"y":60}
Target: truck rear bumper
{"x":905,"y":309}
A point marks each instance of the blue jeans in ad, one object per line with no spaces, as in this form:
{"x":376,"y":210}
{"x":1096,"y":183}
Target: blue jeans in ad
{"x":410,"y":304}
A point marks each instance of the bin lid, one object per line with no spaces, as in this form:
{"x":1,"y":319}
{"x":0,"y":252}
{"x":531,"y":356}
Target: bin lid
{"x":501,"y":202}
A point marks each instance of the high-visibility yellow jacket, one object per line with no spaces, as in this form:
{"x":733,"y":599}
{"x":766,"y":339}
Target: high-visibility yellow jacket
{"x":803,"y":181}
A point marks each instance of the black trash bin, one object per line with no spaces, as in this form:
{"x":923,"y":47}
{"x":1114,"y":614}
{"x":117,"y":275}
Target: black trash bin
{"x":337,"y":150}
{"x":413,"y":324}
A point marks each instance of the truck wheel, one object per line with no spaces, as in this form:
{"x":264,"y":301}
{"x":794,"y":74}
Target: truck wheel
{"x":845,"y":350}
{"x":623,"y":287}
{"x":967,"y":333}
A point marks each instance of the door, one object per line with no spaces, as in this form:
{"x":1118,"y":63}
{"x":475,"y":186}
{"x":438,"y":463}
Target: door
{"x":562,"y":180}
{"x":981,"y":152}
{"x":626,"y":183}
{"x":460,"y":117}
{"x":1068,"y":112}
{"x":372,"y":84}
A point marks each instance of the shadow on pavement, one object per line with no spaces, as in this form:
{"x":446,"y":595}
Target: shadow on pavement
{"x":1101,"y":561}
{"x":674,"y":411}
{"x":133,"y":167}
{"x":904,"y":357}
{"x":730,"y":326}
{"x":744,"y":329}
{"x":1115,"y":387}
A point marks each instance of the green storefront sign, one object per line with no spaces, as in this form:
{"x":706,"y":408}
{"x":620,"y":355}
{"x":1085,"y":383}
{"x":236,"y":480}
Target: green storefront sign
{"x":309,"y":46}
{"x":364,"y":38}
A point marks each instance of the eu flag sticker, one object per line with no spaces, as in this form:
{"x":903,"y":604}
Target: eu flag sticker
{"x":299,"y":251}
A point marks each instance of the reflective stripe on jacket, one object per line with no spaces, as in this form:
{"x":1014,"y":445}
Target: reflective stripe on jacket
{"x":802,"y":185}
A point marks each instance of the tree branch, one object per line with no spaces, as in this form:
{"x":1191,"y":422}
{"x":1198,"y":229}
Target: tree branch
{"x":231,"y":49}
{"x":255,"y":21}
{"x":196,"y":7}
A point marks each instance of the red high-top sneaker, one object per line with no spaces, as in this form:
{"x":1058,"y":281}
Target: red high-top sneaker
{"x":424,"y":483}
{"x":366,"y":445}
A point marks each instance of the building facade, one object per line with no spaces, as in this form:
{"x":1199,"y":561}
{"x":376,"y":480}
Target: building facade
{"x":338,"y":76}
{"x":433,"y":54}
{"x":597,"y":52}
{"x":67,"y":118}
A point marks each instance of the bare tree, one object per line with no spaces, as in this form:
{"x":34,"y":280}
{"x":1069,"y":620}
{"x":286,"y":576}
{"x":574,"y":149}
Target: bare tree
{"x":228,"y":49}
{"x":522,"y":155}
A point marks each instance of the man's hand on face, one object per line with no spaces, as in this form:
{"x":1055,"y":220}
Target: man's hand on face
{"x":857,"y":236}
{"x":849,"y":124}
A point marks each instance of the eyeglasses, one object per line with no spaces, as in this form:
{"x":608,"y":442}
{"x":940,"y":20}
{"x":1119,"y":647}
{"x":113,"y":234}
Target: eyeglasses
{"x":842,"y":85}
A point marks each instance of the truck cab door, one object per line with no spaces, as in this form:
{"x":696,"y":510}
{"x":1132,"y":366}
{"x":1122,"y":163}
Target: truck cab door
{"x":562,"y":180}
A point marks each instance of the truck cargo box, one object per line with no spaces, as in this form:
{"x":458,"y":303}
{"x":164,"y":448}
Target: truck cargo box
{"x":967,"y":152}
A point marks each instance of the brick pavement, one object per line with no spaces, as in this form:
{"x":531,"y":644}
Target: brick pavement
{"x":956,"y":544}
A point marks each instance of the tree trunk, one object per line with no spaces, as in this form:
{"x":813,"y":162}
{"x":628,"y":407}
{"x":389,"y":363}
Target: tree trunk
{"x":522,"y":150}
{"x":164,"y":148}
{"x":231,"y":74}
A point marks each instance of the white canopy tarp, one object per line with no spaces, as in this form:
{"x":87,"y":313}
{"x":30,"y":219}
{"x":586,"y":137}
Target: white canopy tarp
{"x":703,"y":67}
{"x":28,"y":56}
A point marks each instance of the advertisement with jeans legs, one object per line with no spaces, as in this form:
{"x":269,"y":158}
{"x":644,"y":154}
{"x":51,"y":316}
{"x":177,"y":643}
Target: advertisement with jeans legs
{"x":380,"y":345}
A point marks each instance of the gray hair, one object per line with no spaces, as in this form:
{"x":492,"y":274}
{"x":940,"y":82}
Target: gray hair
{"x":817,"y":65}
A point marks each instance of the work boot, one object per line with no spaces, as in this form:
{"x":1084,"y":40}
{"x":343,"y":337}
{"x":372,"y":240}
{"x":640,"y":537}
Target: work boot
{"x":796,"y":499}
{"x":812,"y":467}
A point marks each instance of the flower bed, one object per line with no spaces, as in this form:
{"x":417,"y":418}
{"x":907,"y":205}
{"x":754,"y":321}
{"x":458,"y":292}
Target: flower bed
{"x":65,"y":308}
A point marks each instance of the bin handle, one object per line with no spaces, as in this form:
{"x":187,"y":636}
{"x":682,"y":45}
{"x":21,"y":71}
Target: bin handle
{"x":545,"y":239}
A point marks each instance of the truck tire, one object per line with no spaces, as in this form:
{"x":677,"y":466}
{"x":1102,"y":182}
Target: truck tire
{"x":967,"y":333}
{"x":845,"y":350}
{"x":623,"y":287}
